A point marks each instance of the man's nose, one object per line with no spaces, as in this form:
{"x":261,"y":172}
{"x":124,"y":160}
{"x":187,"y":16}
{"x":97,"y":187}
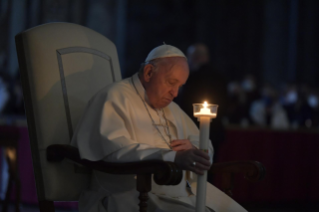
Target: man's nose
{"x":174,"y":92}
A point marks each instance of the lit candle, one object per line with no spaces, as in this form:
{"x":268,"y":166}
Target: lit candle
{"x":204,"y":115}
{"x":204,"y":111}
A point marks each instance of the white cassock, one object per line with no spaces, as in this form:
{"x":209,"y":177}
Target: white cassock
{"x":117,"y":127}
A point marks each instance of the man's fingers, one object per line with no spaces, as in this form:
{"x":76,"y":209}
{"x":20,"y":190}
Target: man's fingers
{"x":202,"y":166}
{"x":178,"y":148}
{"x":199,"y":168}
{"x":201,"y":153}
{"x":177,"y":142}
{"x":204,"y":162}
{"x":193,"y":160}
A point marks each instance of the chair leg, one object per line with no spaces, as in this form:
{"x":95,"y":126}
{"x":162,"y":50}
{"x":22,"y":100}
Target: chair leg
{"x":143,"y":185}
{"x":228,"y":183}
{"x":46,"y":206}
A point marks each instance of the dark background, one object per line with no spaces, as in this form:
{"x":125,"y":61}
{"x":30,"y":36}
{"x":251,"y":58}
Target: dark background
{"x":275,"y":40}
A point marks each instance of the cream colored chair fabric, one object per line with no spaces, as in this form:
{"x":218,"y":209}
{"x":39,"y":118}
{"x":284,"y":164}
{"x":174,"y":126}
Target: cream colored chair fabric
{"x":62,"y":65}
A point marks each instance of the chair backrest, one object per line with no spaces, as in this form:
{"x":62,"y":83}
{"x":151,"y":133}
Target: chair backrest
{"x":62,"y":66}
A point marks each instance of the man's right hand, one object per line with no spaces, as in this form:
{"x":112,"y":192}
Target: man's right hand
{"x":185,"y":160}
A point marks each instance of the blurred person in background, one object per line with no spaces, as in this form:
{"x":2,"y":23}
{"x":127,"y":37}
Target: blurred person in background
{"x":313,"y":101}
{"x":241,"y":95}
{"x":205,"y":84}
{"x":288,"y":101}
{"x":237,"y":112}
{"x":15,"y":104}
{"x":301,"y":105}
{"x":304,"y":107}
{"x":198,"y":56}
{"x":268,"y":111}
{"x":249,"y":86}
{"x":4,"y":94}
{"x":4,"y":98}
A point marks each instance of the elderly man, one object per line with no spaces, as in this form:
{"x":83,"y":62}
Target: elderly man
{"x":133,"y":120}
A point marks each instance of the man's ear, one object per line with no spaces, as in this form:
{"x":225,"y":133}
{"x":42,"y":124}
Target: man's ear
{"x":148,"y":72}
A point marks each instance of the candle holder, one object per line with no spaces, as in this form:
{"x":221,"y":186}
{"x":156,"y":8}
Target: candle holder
{"x":204,"y":112}
{"x":205,"y":109}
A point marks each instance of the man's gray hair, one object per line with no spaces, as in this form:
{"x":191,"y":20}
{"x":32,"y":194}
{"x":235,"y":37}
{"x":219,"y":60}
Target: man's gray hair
{"x":152,"y":62}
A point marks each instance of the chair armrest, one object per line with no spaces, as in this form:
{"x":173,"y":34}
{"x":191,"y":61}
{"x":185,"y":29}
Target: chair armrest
{"x":165,"y":173}
{"x":252,"y":170}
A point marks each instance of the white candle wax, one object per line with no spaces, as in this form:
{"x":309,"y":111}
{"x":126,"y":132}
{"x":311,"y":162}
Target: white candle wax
{"x":202,"y":179}
{"x":211,"y":115}
{"x":204,"y":115}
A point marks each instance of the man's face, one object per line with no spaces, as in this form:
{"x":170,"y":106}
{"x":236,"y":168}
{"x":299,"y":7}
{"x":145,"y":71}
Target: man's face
{"x":164,"y":83}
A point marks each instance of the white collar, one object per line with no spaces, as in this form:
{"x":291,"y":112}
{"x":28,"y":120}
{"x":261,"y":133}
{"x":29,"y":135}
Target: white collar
{"x":139,"y":87}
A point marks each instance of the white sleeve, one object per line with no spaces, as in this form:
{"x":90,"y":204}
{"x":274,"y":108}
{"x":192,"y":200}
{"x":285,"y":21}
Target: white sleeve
{"x":140,"y":152}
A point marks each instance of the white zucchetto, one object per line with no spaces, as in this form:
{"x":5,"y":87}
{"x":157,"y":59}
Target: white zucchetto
{"x":164,"y":51}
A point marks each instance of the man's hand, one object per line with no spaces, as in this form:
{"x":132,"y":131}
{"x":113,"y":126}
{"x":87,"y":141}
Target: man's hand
{"x":185,"y":159}
{"x":179,"y":145}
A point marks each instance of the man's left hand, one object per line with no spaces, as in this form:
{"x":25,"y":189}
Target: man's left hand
{"x":183,"y":144}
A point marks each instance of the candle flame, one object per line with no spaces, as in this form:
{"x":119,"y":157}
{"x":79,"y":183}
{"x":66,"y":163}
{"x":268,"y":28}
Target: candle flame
{"x":205,"y":104}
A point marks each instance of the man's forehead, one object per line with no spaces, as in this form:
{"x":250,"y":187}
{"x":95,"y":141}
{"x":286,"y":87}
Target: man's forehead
{"x":176,"y":69}
{"x":172,"y":62}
